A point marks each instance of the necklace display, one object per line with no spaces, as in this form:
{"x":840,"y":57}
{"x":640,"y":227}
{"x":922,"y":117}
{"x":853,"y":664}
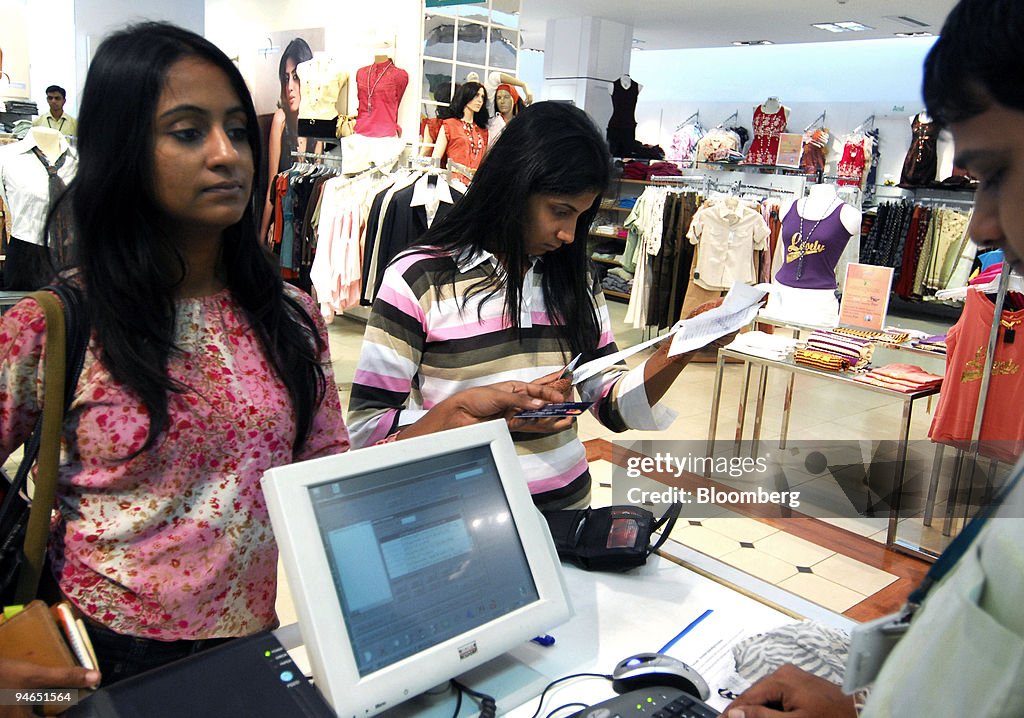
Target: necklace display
{"x":803,"y":242}
{"x":373,"y":86}
{"x":474,"y":138}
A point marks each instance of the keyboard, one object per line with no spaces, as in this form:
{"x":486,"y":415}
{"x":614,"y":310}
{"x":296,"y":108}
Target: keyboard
{"x":654,"y":702}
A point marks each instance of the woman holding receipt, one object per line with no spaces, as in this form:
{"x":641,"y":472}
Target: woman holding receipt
{"x":502,"y":289}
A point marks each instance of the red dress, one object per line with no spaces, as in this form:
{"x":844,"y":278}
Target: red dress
{"x":851,"y":165}
{"x":764,"y":149}
{"x":466,"y":145}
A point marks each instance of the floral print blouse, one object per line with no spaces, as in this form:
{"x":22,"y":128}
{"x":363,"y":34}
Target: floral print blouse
{"x":175,"y":543}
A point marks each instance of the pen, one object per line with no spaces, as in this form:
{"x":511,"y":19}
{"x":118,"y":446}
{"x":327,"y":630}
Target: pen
{"x":544,"y":640}
{"x":689,"y":627}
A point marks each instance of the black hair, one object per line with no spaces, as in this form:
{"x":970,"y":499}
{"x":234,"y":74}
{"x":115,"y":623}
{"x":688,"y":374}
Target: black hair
{"x":129,"y":263}
{"x":298,"y":52}
{"x":464,"y":94}
{"x":551,"y":149}
{"x":57,"y":88}
{"x":976,"y":61}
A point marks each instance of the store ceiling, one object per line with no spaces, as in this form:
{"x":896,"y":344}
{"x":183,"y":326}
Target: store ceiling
{"x":676,"y":24}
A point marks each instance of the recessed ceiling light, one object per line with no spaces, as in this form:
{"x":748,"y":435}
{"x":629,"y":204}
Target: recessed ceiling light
{"x":844,"y":26}
{"x":746,"y":43}
{"x":913,"y":34}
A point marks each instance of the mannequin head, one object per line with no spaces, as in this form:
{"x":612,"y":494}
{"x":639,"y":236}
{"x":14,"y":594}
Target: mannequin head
{"x":506,"y":101}
{"x":472,"y":96}
{"x":979,"y":96}
{"x":295,"y":53}
{"x":55,"y":98}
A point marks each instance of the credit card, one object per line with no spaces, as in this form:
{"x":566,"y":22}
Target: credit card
{"x":561,"y":408}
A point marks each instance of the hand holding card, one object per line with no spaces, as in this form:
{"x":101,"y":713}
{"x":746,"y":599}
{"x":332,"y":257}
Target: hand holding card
{"x":558,"y":409}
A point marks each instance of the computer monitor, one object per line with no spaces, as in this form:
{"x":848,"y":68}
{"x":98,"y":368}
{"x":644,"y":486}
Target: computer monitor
{"x":413,"y":562}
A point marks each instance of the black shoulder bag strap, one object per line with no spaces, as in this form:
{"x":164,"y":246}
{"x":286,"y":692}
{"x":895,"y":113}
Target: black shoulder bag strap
{"x":666,"y":523}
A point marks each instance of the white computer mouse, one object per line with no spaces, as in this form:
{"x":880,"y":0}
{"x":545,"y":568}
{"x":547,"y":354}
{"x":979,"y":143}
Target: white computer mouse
{"x":656,"y":669}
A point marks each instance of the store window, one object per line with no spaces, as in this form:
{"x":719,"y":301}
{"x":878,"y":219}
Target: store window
{"x":464,"y":37}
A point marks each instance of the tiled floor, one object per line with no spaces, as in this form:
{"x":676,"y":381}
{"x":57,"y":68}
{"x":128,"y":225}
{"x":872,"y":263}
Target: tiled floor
{"x":822,"y":562}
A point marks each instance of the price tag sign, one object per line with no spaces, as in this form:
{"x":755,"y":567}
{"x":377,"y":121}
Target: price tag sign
{"x":865,"y":296}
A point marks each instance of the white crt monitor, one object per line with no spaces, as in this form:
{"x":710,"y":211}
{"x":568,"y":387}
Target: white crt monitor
{"x":413,"y":562}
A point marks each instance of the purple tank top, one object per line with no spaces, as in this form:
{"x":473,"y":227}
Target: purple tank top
{"x":809,"y":262}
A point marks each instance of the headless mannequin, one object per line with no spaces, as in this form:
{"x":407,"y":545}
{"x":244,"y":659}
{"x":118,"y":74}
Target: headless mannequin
{"x":771,"y":106}
{"x":49,"y":142}
{"x":626,"y":81}
{"x":801,"y":304}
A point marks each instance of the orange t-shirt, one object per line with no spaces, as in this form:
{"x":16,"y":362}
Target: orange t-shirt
{"x":1002,"y":428}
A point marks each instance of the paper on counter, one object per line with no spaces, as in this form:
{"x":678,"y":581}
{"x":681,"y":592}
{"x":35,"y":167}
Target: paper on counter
{"x":736,"y":311}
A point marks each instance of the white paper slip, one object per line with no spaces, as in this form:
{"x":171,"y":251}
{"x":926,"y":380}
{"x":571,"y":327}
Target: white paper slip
{"x":736,"y":311}
{"x":591,"y":368}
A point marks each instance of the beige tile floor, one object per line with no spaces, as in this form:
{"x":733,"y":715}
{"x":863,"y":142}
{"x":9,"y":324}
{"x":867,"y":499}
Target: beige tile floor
{"x":821,"y":411}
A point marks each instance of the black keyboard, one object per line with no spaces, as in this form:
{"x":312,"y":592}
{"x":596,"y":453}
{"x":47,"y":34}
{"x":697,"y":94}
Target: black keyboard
{"x":654,"y":702}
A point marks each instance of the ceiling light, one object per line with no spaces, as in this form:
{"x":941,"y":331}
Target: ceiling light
{"x":912,"y":34}
{"x":844,"y":26}
{"x":746,"y":43}
{"x":906,"y":20}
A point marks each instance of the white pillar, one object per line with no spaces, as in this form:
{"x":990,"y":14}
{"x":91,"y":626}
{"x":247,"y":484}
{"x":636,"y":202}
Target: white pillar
{"x":582,"y":55}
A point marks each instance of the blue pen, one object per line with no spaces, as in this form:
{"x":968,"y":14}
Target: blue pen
{"x":689,"y":627}
{"x":544,"y":640}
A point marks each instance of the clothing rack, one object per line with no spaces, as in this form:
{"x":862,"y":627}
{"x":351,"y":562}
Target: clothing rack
{"x":866,"y":126}
{"x":819,"y":121}
{"x":694,"y":118}
{"x":734,"y":117}
{"x":328,"y":160}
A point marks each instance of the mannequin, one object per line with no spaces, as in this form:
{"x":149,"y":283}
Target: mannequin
{"x":622,"y":124}
{"x":770,"y":118}
{"x":815,"y":232}
{"x":506,"y":106}
{"x":380,"y":88}
{"x":49,"y":142}
{"x":462,"y":140}
{"x":323,"y":97}
{"x":28,"y":190}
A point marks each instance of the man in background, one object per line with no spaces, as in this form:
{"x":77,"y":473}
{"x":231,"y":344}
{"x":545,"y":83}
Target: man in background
{"x":57,"y":118}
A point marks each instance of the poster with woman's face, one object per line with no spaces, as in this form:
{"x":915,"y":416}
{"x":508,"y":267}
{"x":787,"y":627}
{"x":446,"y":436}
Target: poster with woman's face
{"x":276,"y":83}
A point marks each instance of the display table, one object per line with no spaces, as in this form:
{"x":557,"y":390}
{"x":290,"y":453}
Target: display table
{"x":618,"y":615}
{"x":793,"y":369}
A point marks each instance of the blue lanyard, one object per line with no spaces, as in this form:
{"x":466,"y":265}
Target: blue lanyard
{"x":948,"y":558}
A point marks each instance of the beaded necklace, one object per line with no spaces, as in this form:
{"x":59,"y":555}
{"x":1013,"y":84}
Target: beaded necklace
{"x":369,"y":93}
{"x":804,"y":241}
{"x":474,"y":138}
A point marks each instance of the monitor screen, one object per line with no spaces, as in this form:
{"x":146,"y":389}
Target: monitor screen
{"x":413,"y":562}
{"x":420,"y":553}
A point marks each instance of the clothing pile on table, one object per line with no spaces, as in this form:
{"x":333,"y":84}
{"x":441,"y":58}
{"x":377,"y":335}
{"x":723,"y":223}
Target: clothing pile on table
{"x":935,"y":344}
{"x":761,"y":344}
{"x":856,"y":350}
{"x":820,"y":360}
{"x":907,"y":378}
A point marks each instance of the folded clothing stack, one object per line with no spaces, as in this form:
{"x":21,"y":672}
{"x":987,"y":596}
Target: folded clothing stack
{"x":820,"y":360}
{"x":906,"y":378}
{"x":875,"y":335}
{"x":856,"y":350}
{"x":764,"y":345}
{"x":617,"y":284}
{"x":936,"y":344}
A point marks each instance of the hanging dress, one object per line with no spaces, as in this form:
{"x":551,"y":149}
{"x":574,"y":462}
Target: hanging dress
{"x":921,"y":163}
{"x":764,"y":149}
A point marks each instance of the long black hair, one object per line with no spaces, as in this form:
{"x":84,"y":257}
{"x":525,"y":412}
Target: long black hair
{"x":129,"y":263}
{"x":463,"y":96}
{"x":551,"y":149}
{"x":976,"y":61}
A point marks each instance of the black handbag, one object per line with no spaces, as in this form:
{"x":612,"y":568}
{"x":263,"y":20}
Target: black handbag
{"x":25,"y":525}
{"x":613,"y":538}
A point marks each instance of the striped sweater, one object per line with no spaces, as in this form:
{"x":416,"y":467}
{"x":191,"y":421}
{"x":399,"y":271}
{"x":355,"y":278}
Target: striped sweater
{"x":421,"y":348}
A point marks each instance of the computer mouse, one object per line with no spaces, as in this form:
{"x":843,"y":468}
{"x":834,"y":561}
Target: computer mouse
{"x":656,"y":669}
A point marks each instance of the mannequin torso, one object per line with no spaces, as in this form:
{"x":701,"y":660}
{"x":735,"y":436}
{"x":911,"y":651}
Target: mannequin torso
{"x":48,"y":141}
